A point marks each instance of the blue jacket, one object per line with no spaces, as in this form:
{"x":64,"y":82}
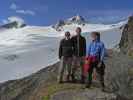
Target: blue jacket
{"x":96,"y":48}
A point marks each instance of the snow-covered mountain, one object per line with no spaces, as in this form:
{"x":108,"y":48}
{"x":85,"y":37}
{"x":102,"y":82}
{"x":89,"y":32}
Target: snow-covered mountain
{"x":73,"y":20}
{"x":26,"y":49}
{"x":14,"y":24}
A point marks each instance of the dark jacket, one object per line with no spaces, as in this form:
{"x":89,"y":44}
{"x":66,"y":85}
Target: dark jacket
{"x":79,"y":44}
{"x":66,"y":48}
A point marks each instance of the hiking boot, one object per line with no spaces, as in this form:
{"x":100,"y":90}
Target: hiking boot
{"x":82,"y":79}
{"x":103,"y":90}
{"x":60,"y":81}
{"x":88,"y":86}
{"x":73,"y":78}
{"x":68,"y":78}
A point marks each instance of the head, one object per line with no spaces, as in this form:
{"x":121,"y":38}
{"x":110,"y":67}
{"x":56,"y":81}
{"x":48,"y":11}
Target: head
{"x":78,"y":30}
{"x":67,"y":35}
{"x":95,"y":36}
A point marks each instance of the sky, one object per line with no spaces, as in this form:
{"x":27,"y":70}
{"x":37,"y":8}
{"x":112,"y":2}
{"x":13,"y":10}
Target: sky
{"x":47,"y":12}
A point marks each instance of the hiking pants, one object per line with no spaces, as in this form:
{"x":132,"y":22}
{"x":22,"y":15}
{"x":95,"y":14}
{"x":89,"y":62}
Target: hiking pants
{"x":78,"y":62}
{"x":100,"y":71}
{"x":65,"y":65}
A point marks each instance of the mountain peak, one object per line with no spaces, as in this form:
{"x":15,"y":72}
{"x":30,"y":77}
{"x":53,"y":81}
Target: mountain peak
{"x":77,"y":18}
{"x":14,"y":22}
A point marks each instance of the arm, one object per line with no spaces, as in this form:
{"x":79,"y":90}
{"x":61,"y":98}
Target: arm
{"x":84,"y":47}
{"x":102,"y":52}
{"x":88,"y":49}
{"x":73,"y":44}
{"x":60,"y":50}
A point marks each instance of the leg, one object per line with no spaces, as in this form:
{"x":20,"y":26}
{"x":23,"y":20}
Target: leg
{"x":90,"y":75}
{"x":82,"y":70}
{"x":101,"y":72}
{"x":102,"y":75}
{"x":74,"y":68}
{"x":61,"y":70}
{"x":69,"y":65}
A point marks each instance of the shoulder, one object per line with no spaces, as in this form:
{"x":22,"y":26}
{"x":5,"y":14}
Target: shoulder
{"x":83,"y":37}
{"x":62,"y":40}
{"x":91,"y":43}
{"x":73,"y":38}
{"x":101,"y":44}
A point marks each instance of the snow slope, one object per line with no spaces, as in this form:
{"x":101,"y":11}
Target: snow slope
{"x":26,"y":50}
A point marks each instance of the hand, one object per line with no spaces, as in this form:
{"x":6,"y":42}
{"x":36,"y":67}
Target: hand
{"x":83,"y":57}
{"x":99,"y":64}
{"x":60,"y":57}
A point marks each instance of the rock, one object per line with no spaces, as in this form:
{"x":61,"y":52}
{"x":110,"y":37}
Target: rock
{"x":119,"y":76}
{"x":126,"y":43}
{"x":58,"y":25}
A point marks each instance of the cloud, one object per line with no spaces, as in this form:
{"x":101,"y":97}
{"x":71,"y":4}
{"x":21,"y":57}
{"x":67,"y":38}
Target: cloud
{"x":26,"y":12}
{"x":13,"y":6}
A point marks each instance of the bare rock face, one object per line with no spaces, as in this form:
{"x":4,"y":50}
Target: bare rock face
{"x":126,"y":43}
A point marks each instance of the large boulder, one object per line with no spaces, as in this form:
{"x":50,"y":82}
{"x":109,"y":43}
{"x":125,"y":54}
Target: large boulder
{"x":126,"y":43}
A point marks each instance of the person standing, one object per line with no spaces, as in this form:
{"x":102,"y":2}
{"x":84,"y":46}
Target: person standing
{"x":96,"y":53}
{"x":79,"y":44}
{"x":65,"y":56}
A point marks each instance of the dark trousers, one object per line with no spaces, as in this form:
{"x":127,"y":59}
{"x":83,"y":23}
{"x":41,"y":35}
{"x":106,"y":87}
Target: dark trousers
{"x":100,"y":71}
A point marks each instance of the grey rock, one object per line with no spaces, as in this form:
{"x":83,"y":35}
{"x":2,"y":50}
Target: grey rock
{"x":126,"y":43}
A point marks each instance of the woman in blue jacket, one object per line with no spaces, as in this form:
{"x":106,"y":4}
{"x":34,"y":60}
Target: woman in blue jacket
{"x":96,"y":50}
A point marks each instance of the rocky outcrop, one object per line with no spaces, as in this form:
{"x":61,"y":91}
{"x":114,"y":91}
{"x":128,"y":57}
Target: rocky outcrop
{"x":126,"y":43}
{"x":58,"y":25}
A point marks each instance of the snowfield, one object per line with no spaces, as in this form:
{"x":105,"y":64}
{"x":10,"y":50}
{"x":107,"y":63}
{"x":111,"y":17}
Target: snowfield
{"x":26,"y":50}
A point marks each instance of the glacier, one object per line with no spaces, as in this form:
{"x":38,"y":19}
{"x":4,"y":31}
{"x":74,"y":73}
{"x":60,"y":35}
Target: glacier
{"x":26,"y":50}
